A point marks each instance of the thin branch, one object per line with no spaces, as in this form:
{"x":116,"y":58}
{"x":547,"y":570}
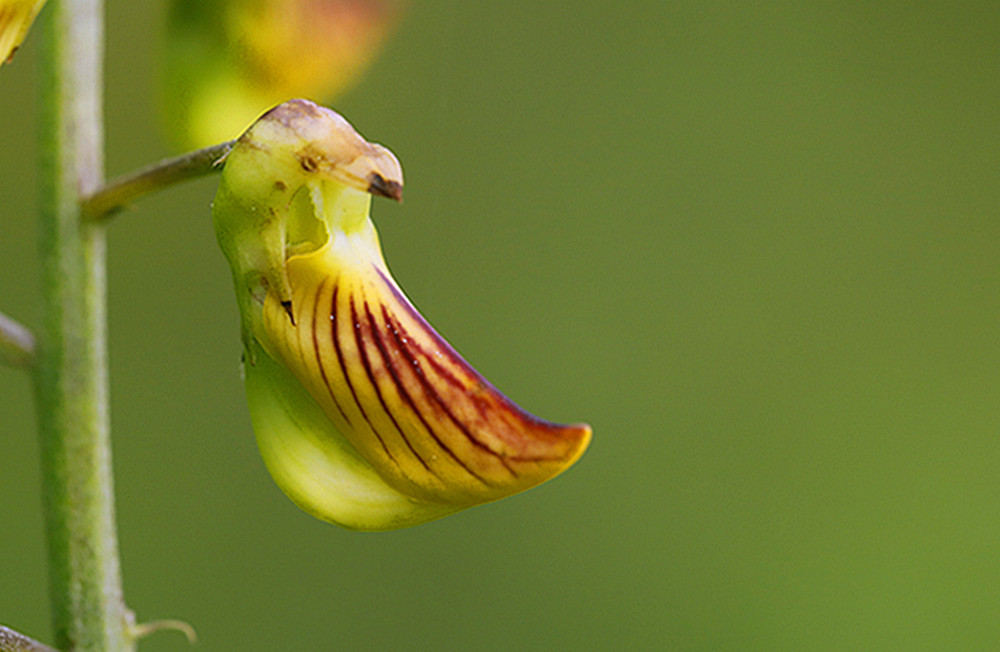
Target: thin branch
{"x":17,"y":344}
{"x":11,"y":641}
{"x":121,"y":191}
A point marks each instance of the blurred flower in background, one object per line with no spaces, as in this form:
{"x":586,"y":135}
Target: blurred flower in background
{"x":16,"y":17}
{"x":230,"y":60}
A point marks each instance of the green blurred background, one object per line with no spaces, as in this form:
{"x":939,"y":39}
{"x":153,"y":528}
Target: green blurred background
{"x":753,"y":244}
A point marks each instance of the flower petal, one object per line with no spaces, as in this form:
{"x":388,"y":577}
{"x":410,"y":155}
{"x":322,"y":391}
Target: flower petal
{"x":429,"y":423}
{"x":364,"y":415}
{"x":16,"y":17}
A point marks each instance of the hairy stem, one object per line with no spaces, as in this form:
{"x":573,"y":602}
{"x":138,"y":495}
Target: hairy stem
{"x":117,"y":193}
{"x":71,"y":369}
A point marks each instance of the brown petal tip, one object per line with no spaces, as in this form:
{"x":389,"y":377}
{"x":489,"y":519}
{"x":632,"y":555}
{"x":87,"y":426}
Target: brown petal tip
{"x":382,"y":187}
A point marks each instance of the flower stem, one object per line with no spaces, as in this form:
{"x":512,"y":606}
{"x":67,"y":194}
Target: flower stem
{"x":117,"y":193}
{"x":71,"y":379}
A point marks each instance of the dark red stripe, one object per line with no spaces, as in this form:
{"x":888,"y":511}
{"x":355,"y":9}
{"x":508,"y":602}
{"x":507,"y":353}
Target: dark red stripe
{"x":439,"y":368}
{"x":405,"y":395}
{"x":319,"y":358}
{"x":366,"y":363}
{"x":483,"y":406}
{"x":432,"y":394}
{"x":447,"y":350}
{"x":455,"y":357}
{"x":334,"y":327}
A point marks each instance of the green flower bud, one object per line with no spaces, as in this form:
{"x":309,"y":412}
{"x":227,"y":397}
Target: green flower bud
{"x":364,"y":415}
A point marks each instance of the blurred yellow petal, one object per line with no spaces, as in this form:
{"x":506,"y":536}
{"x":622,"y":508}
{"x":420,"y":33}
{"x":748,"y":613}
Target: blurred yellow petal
{"x":365,"y":416}
{"x":16,"y":17}
{"x":229,"y":60}
{"x":317,"y":45}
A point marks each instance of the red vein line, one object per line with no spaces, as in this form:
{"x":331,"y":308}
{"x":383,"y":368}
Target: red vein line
{"x":366,"y":363}
{"x":431,"y":393}
{"x":334,"y":328}
{"x":319,"y":358}
{"x":527,"y":417}
{"x":405,"y":395}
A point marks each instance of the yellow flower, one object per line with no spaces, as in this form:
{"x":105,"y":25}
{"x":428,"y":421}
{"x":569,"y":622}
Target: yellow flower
{"x":229,"y":60}
{"x":16,"y":17}
{"x":364,"y":415}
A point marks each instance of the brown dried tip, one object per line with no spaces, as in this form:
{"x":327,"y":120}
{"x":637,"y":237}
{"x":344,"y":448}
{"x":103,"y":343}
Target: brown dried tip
{"x":379,"y":186}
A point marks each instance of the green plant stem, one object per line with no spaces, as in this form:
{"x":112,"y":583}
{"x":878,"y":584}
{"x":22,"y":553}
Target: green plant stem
{"x":119,"y":192}
{"x":17,"y":344}
{"x":71,"y":381}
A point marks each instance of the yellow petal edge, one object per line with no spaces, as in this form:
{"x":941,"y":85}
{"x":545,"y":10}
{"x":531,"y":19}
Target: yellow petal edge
{"x":16,"y":17}
{"x":364,"y":415}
